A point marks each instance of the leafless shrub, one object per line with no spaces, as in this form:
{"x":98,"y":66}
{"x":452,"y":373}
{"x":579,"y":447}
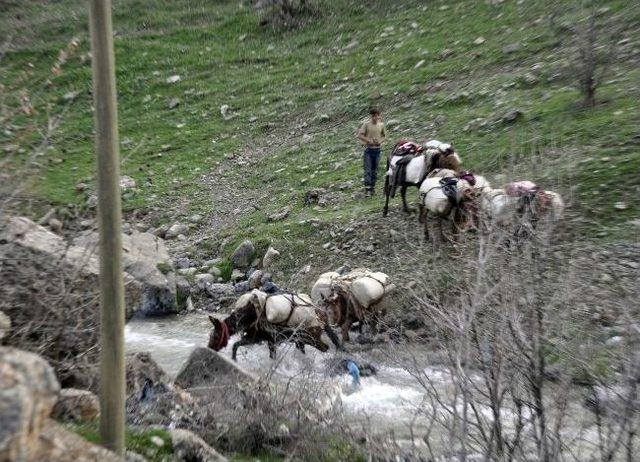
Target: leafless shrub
{"x":287,"y":14}
{"x":593,"y":48}
{"x":516,"y":345}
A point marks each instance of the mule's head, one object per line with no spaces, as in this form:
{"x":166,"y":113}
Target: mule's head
{"x":219,"y":335}
{"x":335,"y":306}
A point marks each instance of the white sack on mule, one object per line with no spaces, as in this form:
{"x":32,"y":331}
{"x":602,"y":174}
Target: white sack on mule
{"x":279,"y":307}
{"x":323,"y":286}
{"x":370,"y":289}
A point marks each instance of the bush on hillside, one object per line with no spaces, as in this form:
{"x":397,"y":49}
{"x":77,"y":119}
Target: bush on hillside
{"x":287,"y":14}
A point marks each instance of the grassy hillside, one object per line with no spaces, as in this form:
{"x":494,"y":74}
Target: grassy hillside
{"x":437,"y":70}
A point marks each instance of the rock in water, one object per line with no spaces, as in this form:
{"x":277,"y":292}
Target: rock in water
{"x":76,"y":406}
{"x":188,"y":446}
{"x":243,"y":255}
{"x":205,"y":367}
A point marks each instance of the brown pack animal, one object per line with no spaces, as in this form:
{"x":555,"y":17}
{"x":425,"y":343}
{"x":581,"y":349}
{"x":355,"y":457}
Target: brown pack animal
{"x":357,"y":297}
{"x":302,"y":324}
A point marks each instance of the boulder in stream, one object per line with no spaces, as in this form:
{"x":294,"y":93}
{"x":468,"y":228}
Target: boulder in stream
{"x":205,"y":367}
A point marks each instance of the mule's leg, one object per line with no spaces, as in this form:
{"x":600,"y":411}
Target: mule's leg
{"x":421,"y":213}
{"x":272,"y":350}
{"x":300,"y":346}
{"x":345,"y":331}
{"x":333,"y":337}
{"x":403,"y":193}
{"x":425,"y":222}
{"x":441,"y":235}
{"x":456,"y":223}
{"x":244,"y":341}
{"x":387,"y":193}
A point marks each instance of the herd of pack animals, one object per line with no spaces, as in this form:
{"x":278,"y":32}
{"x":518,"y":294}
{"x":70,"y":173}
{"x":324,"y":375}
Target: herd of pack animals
{"x":358,"y":296}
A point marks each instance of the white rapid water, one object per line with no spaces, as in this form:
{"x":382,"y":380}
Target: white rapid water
{"x":388,"y":400}
{"x":391,"y":402}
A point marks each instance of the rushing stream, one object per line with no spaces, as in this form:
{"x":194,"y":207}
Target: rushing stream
{"x":391,"y":401}
{"x":388,"y":399}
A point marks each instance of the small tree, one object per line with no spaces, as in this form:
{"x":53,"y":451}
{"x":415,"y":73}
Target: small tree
{"x":593,"y":51}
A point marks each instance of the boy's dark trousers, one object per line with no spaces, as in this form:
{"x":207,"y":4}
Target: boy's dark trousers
{"x":371,"y":160}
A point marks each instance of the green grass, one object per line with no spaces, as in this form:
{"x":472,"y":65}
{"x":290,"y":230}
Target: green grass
{"x":289,"y":78}
{"x":136,"y":440}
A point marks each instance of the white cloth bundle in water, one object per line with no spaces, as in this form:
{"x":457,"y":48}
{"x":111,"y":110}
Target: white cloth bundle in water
{"x":294,"y":309}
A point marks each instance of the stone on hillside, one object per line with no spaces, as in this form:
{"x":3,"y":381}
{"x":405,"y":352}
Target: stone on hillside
{"x":174,"y":79}
{"x":530,"y":80}
{"x":203,"y":279}
{"x":511,"y":48}
{"x":253,"y":119}
{"x":187,"y":271}
{"x":512,"y":116}
{"x":173,"y":103}
{"x":225,"y":112}
{"x":237,"y":275}
{"x":5,"y":324}
{"x":127,"y":183}
{"x":270,"y":288}
{"x":188,"y":446}
{"x":279,"y":216}
{"x":620,"y":206}
{"x":75,"y":405}
{"x":393,"y":123}
{"x":205,"y":367}
{"x":479,"y":41}
{"x":242,"y":287}
{"x":28,"y":391}
{"x":243,"y":255}
{"x":55,"y":225}
{"x":147,"y":260}
{"x":175,"y":230}
{"x":80,"y":187}
{"x":34,"y":265}
{"x":255,"y":280}
{"x":215,"y":271}
{"x":222,"y":294}
{"x":419,"y":64}
{"x":324,"y":117}
{"x":446,"y":53}
{"x":57,"y":444}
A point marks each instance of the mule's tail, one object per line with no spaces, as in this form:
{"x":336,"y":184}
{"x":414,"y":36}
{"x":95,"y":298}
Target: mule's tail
{"x":387,"y":190}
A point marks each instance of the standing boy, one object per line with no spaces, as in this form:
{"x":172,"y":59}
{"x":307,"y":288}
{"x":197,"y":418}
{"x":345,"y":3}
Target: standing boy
{"x":371,"y":134}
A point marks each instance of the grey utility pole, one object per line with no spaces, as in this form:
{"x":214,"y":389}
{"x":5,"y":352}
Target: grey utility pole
{"x":112,"y":385}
